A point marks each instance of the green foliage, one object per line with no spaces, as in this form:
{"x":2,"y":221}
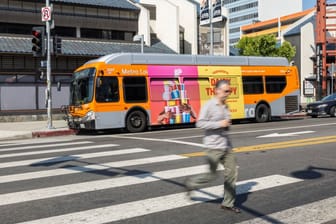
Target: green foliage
{"x":265,"y":45}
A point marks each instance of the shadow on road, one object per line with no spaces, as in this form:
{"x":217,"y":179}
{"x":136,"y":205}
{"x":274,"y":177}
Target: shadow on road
{"x":311,"y":172}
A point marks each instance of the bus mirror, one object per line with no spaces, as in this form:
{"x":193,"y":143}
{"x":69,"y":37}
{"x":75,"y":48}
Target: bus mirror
{"x":59,"y":86}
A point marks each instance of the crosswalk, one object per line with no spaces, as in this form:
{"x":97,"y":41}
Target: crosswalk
{"x":32,"y":175}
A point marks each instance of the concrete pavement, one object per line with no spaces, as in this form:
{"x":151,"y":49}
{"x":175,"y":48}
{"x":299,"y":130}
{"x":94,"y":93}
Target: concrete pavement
{"x":32,"y":129}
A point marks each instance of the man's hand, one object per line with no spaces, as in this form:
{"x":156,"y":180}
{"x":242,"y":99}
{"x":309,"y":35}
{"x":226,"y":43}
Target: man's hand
{"x":225,"y":123}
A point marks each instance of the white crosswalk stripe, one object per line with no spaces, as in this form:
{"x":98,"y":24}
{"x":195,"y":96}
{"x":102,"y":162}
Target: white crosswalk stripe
{"x":53,"y":150}
{"x":163,"y":203}
{"x":43,"y":146}
{"x":89,"y":168}
{"x":63,"y":158}
{"x":322,"y":211}
{"x":129,"y":209}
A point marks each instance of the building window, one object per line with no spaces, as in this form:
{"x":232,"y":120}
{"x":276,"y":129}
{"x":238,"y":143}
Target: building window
{"x":233,"y":41}
{"x":16,"y":28}
{"x":225,"y":2}
{"x":64,"y":31}
{"x":243,"y":7}
{"x":253,"y":85}
{"x":235,"y":30}
{"x":181,"y":42}
{"x":135,"y":89}
{"x":217,"y":37}
{"x":245,"y":17}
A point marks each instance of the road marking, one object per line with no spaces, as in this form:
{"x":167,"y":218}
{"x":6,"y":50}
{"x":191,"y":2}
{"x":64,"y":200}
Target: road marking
{"x":162,"y":203}
{"x":292,"y":134}
{"x":281,"y":129}
{"x":159,"y":140}
{"x":35,"y":141}
{"x":41,"y":152}
{"x":233,"y":133}
{"x":89,"y":186}
{"x":89,"y":168}
{"x":321,"y":211}
{"x":42,"y":161}
{"x":275,"y":145}
{"x":44,"y":146}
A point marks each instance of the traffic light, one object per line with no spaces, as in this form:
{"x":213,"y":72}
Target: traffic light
{"x":57,"y":45}
{"x":38,"y":41}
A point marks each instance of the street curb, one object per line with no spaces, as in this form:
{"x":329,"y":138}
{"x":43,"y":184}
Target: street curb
{"x":51,"y":133}
{"x":301,"y":115}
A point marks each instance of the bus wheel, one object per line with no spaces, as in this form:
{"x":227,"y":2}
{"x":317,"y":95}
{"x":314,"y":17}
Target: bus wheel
{"x":136,"y":121}
{"x":262,"y":113}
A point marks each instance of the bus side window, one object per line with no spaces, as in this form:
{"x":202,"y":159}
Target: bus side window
{"x":108,"y":90}
{"x":135,"y":89}
{"x":275,"y":84}
{"x":253,"y":85}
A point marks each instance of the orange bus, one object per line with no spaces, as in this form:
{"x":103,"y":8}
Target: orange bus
{"x":134,"y":91}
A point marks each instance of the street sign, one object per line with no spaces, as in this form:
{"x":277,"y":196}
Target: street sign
{"x":46,"y":14}
{"x":205,"y":11}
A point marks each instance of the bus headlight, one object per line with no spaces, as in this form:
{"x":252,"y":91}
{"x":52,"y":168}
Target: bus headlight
{"x":90,"y":116}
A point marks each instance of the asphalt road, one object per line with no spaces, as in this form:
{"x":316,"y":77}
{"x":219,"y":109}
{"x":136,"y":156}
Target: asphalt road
{"x":286,"y":175}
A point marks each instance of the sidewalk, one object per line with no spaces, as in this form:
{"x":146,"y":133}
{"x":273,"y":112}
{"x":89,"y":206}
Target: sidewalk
{"x":32,"y":129}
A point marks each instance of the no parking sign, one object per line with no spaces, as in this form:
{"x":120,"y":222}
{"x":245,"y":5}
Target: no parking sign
{"x":46,"y":14}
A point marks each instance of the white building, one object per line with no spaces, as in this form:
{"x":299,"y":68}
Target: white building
{"x":172,"y":22}
{"x":243,"y":12}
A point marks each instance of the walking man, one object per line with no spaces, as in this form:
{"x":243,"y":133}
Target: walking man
{"x":215,"y":119}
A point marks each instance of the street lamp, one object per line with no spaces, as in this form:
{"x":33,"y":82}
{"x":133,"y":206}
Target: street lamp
{"x":137,"y":38}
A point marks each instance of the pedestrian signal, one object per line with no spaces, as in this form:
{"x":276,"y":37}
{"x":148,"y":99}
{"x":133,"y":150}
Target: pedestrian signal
{"x":57,"y":45}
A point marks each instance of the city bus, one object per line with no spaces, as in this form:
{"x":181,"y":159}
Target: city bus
{"x":135,"y":91}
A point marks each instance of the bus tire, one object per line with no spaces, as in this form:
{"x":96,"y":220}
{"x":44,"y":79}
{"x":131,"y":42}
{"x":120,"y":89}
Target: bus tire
{"x":136,"y":121}
{"x":333,"y":111}
{"x":262,"y":113}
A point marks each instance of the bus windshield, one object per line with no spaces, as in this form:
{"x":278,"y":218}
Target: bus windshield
{"x":81,"y":87}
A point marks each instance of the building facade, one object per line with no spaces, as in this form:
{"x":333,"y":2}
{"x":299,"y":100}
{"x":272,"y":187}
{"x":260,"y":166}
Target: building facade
{"x":88,"y":29}
{"x":300,"y":30}
{"x":243,"y":12}
{"x":174,"y":22}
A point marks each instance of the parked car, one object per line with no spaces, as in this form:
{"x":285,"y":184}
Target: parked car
{"x":327,"y":106}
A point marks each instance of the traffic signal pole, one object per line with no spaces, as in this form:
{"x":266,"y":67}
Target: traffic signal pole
{"x":49,"y":102}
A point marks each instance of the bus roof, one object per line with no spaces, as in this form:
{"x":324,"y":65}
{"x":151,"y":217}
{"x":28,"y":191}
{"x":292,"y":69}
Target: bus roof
{"x":180,"y":59}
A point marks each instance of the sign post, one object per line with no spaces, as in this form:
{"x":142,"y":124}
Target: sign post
{"x":46,"y":17}
{"x":210,"y":12}
{"x":332,"y":77}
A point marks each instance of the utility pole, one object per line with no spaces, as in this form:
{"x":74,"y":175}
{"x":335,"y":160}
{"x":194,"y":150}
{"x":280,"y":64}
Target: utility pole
{"x":211,"y":26}
{"x":46,"y":16}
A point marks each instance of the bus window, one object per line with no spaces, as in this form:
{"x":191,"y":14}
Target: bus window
{"x":107,"y":90}
{"x":81,"y":87}
{"x":275,"y":84}
{"x":135,"y":89}
{"x":253,"y":85}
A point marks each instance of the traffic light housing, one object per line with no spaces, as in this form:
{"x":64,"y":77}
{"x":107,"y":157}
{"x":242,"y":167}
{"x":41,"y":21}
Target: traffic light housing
{"x":57,"y":45}
{"x":38,"y":41}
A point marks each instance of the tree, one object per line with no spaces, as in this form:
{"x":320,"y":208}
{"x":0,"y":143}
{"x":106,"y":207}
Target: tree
{"x":265,"y":45}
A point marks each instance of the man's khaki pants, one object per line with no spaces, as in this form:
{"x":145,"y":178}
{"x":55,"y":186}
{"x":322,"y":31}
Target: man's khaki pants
{"x":228,"y":160}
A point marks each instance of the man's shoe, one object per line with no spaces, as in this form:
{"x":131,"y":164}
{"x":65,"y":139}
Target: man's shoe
{"x":231,"y":209}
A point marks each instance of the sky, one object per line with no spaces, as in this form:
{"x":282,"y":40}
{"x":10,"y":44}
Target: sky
{"x":307,"y":4}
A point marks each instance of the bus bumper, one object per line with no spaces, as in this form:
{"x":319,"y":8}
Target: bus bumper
{"x":77,"y":123}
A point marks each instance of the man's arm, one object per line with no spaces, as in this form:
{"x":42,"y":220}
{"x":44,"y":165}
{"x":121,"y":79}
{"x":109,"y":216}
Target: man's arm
{"x":205,"y":123}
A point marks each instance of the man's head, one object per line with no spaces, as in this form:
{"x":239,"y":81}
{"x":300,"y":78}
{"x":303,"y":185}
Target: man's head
{"x":222,"y":89}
